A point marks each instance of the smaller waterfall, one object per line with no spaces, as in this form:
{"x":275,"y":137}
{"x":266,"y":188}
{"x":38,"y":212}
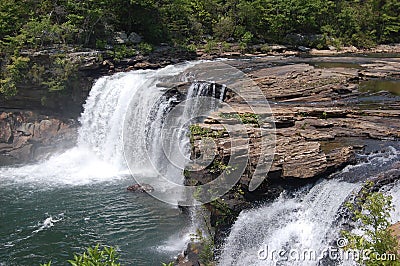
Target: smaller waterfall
{"x":222,"y":95}
{"x":301,"y":223}
{"x":395,"y":193}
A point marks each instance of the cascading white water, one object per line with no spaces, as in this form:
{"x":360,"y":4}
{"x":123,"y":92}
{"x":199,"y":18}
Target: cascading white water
{"x":156,"y":138}
{"x":395,"y":193}
{"x":303,"y":223}
{"x":132,"y":96}
{"x":299,"y":224}
{"x":99,"y":153}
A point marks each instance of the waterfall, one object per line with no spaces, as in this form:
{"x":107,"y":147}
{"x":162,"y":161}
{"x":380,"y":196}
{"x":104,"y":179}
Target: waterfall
{"x":131,"y":101}
{"x":303,"y":222}
{"x":156,"y":139}
{"x":134,"y":99}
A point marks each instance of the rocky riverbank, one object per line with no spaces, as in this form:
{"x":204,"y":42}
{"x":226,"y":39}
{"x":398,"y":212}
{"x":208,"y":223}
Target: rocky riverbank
{"x":322,"y":117}
{"x":26,"y":136}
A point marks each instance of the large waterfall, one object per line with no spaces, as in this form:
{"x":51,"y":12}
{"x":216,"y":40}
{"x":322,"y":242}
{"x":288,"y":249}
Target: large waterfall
{"x":130,"y":101}
{"x":280,"y":232}
{"x":78,"y":197}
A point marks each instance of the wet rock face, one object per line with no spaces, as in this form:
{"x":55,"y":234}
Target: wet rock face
{"x":191,"y":256}
{"x":140,"y":188}
{"x":27,"y":137}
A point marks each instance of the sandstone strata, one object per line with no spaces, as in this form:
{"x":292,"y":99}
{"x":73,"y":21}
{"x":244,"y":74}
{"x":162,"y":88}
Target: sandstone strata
{"x":27,"y":136}
{"x":321,"y":116}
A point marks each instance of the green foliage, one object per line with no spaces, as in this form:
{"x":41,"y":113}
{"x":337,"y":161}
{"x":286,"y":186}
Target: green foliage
{"x":227,"y":215}
{"x":219,"y":167}
{"x":224,"y":28}
{"x":96,"y":256}
{"x":63,"y":69}
{"x":206,"y":254}
{"x":145,"y":48}
{"x":372,"y":212}
{"x":123,"y":51}
{"x":101,"y":44}
{"x":168,"y":264}
{"x":12,"y":71}
{"x":247,"y":37}
{"x":191,"y":47}
{"x":93,"y":23}
{"x":42,"y":31}
{"x":210,"y":46}
{"x":245,"y":118}
{"x":196,"y":130}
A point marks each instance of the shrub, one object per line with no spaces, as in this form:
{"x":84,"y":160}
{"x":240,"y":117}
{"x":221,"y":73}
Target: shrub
{"x":11,"y":73}
{"x":372,"y":211}
{"x":94,"y":257}
{"x":145,"y":48}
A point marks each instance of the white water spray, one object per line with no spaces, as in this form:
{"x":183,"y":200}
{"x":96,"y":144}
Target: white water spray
{"x":98,"y":155}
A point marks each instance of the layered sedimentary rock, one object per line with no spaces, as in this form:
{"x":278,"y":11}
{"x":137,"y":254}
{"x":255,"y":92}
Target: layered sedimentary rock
{"x":27,"y":136}
{"x":322,"y":119}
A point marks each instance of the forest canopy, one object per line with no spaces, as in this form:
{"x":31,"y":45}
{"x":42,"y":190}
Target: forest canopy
{"x":363,"y":23}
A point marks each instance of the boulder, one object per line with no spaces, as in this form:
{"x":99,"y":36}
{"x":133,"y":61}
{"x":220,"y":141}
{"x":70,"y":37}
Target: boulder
{"x":134,"y":38}
{"x":5,"y":132}
{"x":303,"y":49}
{"x":121,"y":37}
{"x":140,"y":188}
{"x":278,"y":48}
{"x":27,"y":129}
{"x":27,"y":136}
{"x":190,"y":256}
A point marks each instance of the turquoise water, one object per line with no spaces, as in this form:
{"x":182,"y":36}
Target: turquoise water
{"x":144,"y":230}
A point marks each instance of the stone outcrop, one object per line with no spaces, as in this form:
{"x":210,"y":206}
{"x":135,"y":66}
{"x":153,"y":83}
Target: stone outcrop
{"x":321,"y":119}
{"x":140,"y":188}
{"x":312,"y":110}
{"x":300,"y":49}
{"x":27,"y":136}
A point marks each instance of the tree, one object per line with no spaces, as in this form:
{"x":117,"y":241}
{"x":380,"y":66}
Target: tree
{"x":372,"y":212}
